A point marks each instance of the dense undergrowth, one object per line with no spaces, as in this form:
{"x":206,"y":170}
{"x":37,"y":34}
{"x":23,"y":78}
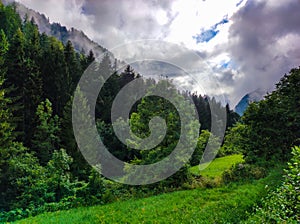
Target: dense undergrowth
{"x":228,"y":204}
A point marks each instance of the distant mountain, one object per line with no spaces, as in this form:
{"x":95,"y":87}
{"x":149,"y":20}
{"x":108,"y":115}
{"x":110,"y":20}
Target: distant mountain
{"x":254,"y":96}
{"x":78,"y":38}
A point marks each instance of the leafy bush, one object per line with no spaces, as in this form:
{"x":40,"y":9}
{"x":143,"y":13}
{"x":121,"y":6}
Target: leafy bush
{"x":283,"y":204}
{"x":233,"y":142}
{"x":243,"y":171}
{"x":50,"y":188}
{"x":202,"y":142}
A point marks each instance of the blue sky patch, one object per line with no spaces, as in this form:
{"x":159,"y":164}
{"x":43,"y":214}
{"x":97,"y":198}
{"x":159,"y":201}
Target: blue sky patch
{"x":225,"y":65}
{"x":207,"y":35}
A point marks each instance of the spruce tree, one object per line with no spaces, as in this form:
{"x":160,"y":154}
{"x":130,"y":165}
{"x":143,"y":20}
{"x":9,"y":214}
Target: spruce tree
{"x":5,"y":114}
{"x":79,"y":167}
{"x":16,"y":78}
{"x":56,"y":81}
{"x":74,"y":70}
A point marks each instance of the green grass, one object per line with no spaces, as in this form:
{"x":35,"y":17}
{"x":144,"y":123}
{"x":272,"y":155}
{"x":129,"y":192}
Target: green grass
{"x":217,"y":166}
{"x":226,"y":204}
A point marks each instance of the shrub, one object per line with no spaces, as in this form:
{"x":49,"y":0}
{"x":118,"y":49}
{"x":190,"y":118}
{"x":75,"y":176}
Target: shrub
{"x":283,"y":204}
{"x":243,"y":171}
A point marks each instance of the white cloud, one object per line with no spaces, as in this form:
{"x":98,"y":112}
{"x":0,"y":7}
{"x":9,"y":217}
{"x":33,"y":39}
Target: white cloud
{"x":256,"y":47}
{"x":263,"y":43}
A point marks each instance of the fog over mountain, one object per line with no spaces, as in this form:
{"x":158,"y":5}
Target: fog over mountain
{"x":79,"y":39}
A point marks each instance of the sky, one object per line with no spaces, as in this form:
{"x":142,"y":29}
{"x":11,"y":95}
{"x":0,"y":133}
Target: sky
{"x":243,"y":45}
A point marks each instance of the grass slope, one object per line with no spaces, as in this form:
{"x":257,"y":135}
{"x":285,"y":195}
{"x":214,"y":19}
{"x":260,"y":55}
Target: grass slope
{"x":217,"y":166}
{"x":218,"y":205}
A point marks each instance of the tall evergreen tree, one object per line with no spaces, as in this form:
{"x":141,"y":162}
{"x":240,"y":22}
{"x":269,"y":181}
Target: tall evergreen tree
{"x":16,"y":78}
{"x":79,"y":166}
{"x":5,"y":114}
{"x":109,"y":90}
{"x":74,"y":70}
{"x":23,"y":76}
{"x":56,"y":81}
{"x":10,"y":20}
{"x":86,"y":60}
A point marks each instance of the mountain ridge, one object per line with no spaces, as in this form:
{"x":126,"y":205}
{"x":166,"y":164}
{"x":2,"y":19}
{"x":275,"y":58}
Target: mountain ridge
{"x":81,"y":42}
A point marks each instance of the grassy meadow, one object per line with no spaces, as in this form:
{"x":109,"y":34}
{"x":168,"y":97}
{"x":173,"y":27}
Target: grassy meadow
{"x":225,"y":204}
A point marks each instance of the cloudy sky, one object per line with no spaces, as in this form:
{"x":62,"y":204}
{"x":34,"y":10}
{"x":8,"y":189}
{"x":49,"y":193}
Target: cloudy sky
{"x":245,"y":45}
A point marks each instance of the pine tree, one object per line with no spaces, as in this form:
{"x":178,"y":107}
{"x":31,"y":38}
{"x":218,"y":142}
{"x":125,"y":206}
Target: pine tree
{"x":79,"y":166}
{"x":33,"y":85}
{"x":87,"y":60}
{"x":10,"y":20}
{"x":23,"y":76}
{"x":127,"y":76}
{"x":56,"y":81}
{"x":109,"y":90}
{"x":74,"y":70}
{"x":5,"y":114}
{"x":16,"y":78}
{"x":18,"y":168}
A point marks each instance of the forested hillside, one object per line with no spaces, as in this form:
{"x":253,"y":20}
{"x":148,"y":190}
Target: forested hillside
{"x":41,"y":166}
{"x":80,"y":41}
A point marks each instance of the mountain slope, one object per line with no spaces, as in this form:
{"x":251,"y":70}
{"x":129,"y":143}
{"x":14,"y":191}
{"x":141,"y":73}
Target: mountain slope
{"x":254,"y":96}
{"x":78,"y":38}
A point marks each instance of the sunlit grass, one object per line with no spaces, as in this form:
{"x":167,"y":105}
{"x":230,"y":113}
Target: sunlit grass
{"x":227,"y":204}
{"x":217,"y":166}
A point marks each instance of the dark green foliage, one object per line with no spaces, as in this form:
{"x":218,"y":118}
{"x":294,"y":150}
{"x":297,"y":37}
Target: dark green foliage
{"x":114,"y":145}
{"x":109,"y":90}
{"x":15,"y":77}
{"x":232,"y":117}
{"x":73,"y":64}
{"x":79,"y":167}
{"x":5,"y":114}
{"x":33,"y":69}
{"x":59,"y":180}
{"x":86,"y":60}
{"x":112,"y":87}
{"x":95,"y":189}
{"x":24,"y":78}
{"x":127,"y":76}
{"x":204,"y":105}
{"x":56,"y":81}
